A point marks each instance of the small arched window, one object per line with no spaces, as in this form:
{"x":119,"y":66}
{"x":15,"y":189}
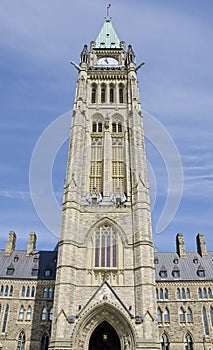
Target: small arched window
{"x":6,"y":291}
{"x":178,"y":293}
{"x":161,"y":293}
{"x":51,"y":314}
{"x":187,"y":293}
{"x":23,"y":292}
{"x":50,"y":293}
{"x":45,"y":292}
{"x":33,"y":292}
{"x":200,"y":295}
{"x":183,"y":294}
{"x":11,"y":291}
{"x":188,"y":342}
{"x":166,"y":294}
{"x":209,"y":293}
{"x":189,"y":315}
{"x":164,"y":342}
{"x":21,"y":313}
{"x":29,"y":313}
{"x":28,"y":292}
{"x":159,"y":315}
{"x":21,"y":341}
{"x":44,"y":314}
{"x":181,"y":315}
{"x":204,"y":293}
{"x":166,"y":315}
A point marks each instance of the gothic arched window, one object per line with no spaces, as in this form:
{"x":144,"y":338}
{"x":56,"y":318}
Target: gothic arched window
{"x":187,"y":293}
{"x":200,"y":295}
{"x":5,"y":318}
{"x":183,"y":294}
{"x":44,"y":314}
{"x":209,"y":293}
{"x":21,"y":313}
{"x":164,"y":342}
{"x":166,"y":294}
{"x":103,"y":94}
{"x":21,"y":341}
{"x":181,"y":315}
{"x":29,"y":313}
{"x":188,"y":342}
{"x":33,"y":292}
{"x":45,"y":292}
{"x":204,"y":293}
{"x":205,"y":321}
{"x":111,"y":94}
{"x":211,"y":314}
{"x":28,"y":292}
{"x":121,"y":94}
{"x":50,"y":293}
{"x":189,"y":315}
{"x":96,"y":164}
{"x":178,"y":293}
{"x":44,"y":341}
{"x":11,"y":291}
{"x":159,"y":315}
{"x":166,"y":315}
{"x":161,"y":293}
{"x":23,"y":291}
{"x":51,"y":314}
{"x":94,"y":93}
{"x":105,"y":247}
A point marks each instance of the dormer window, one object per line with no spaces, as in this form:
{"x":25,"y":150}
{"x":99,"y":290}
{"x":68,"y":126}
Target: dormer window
{"x":102,"y":45}
{"x":112,"y":46}
{"x":10,"y":271}
{"x":176,"y":272}
{"x":34,"y":272}
{"x":201,"y":271}
{"x":195,"y":260}
{"x":47,"y":273}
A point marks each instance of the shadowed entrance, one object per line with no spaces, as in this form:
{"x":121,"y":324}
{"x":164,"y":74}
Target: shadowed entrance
{"x":104,"y":337}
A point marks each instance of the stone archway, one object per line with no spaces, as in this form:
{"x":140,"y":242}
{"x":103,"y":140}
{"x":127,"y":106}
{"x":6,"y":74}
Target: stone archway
{"x":104,"y":337}
{"x":110,"y":319}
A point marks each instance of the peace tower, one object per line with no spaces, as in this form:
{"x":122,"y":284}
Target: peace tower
{"x":105,"y":283}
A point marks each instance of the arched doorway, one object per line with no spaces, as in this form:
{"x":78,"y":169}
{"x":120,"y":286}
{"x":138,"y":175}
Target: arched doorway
{"x":104,"y":337}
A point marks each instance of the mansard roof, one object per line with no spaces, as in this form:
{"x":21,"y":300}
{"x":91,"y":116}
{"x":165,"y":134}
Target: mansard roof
{"x":188,"y":267}
{"x":107,"y":38}
{"x":28,"y":267}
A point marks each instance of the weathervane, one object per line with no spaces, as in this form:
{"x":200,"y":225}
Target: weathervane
{"x":108,"y":7}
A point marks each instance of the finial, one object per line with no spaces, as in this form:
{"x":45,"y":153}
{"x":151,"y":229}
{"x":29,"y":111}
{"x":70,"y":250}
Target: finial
{"x":108,"y":7}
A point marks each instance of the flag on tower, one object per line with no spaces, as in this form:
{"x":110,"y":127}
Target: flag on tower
{"x":109,"y":5}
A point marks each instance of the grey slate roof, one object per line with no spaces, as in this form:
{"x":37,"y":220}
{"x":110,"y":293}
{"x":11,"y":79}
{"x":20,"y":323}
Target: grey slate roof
{"x":187,"y":266}
{"x":23,"y":265}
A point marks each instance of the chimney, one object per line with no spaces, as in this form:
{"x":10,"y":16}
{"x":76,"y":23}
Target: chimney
{"x":11,"y":243}
{"x":201,"y":245}
{"x":180,"y":246}
{"x":31,"y":246}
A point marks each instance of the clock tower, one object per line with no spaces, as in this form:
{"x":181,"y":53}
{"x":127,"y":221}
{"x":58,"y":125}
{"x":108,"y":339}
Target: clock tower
{"x":105,"y":283}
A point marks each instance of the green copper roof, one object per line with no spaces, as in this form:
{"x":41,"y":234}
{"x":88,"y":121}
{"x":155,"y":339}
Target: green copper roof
{"x":107,"y":38}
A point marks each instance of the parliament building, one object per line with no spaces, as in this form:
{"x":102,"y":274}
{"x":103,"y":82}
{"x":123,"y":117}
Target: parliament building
{"x":105,"y":286}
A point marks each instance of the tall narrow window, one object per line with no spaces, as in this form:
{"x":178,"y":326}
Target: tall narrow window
{"x":105,"y":247}
{"x":29,"y":313}
{"x":181,"y":315}
{"x":6,"y":291}
{"x":21,"y":313}
{"x":111,"y":94}
{"x":161,"y":293}
{"x":93,"y":97}
{"x":209,"y":293}
{"x":96,"y":164}
{"x":205,"y":321}
{"x":183,"y":294}
{"x":45,"y":341}
{"x":5,"y":318}
{"x":121,"y":95}
{"x":21,"y":341}
{"x":166,"y":295}
{"x":28,"y":292}
{"x":99,"y":127}
{"x":44,"y":314}
{"x":11,"y":291}
{"x":118,"y":168}
{"x":189,"y":315}
{"x":164,"y":342}
{"x":204,"y":293}
{"x":50,"y":293}
{"x":94,"y":127}
{"x":103,"y":95}
{"x":2,"y":290}
{"x":200,"y":293}
{"x":45,"y":292}
{"x":188,"y":342}
{"x":211,"y":314}
{"x":33,"y":292}
{"x":157,"y":294}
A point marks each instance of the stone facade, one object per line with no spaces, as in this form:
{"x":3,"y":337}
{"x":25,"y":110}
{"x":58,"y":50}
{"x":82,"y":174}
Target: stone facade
{"x":111,"y":290}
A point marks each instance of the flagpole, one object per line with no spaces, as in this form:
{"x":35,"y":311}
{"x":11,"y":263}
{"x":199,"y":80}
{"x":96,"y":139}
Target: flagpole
{"x":108,"y":7}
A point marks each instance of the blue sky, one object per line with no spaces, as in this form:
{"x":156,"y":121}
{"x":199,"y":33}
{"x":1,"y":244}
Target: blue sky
{"x":37,"y":42}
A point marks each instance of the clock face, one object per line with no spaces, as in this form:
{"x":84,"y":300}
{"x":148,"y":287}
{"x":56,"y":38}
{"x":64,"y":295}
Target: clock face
{"x":107,"y":62}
